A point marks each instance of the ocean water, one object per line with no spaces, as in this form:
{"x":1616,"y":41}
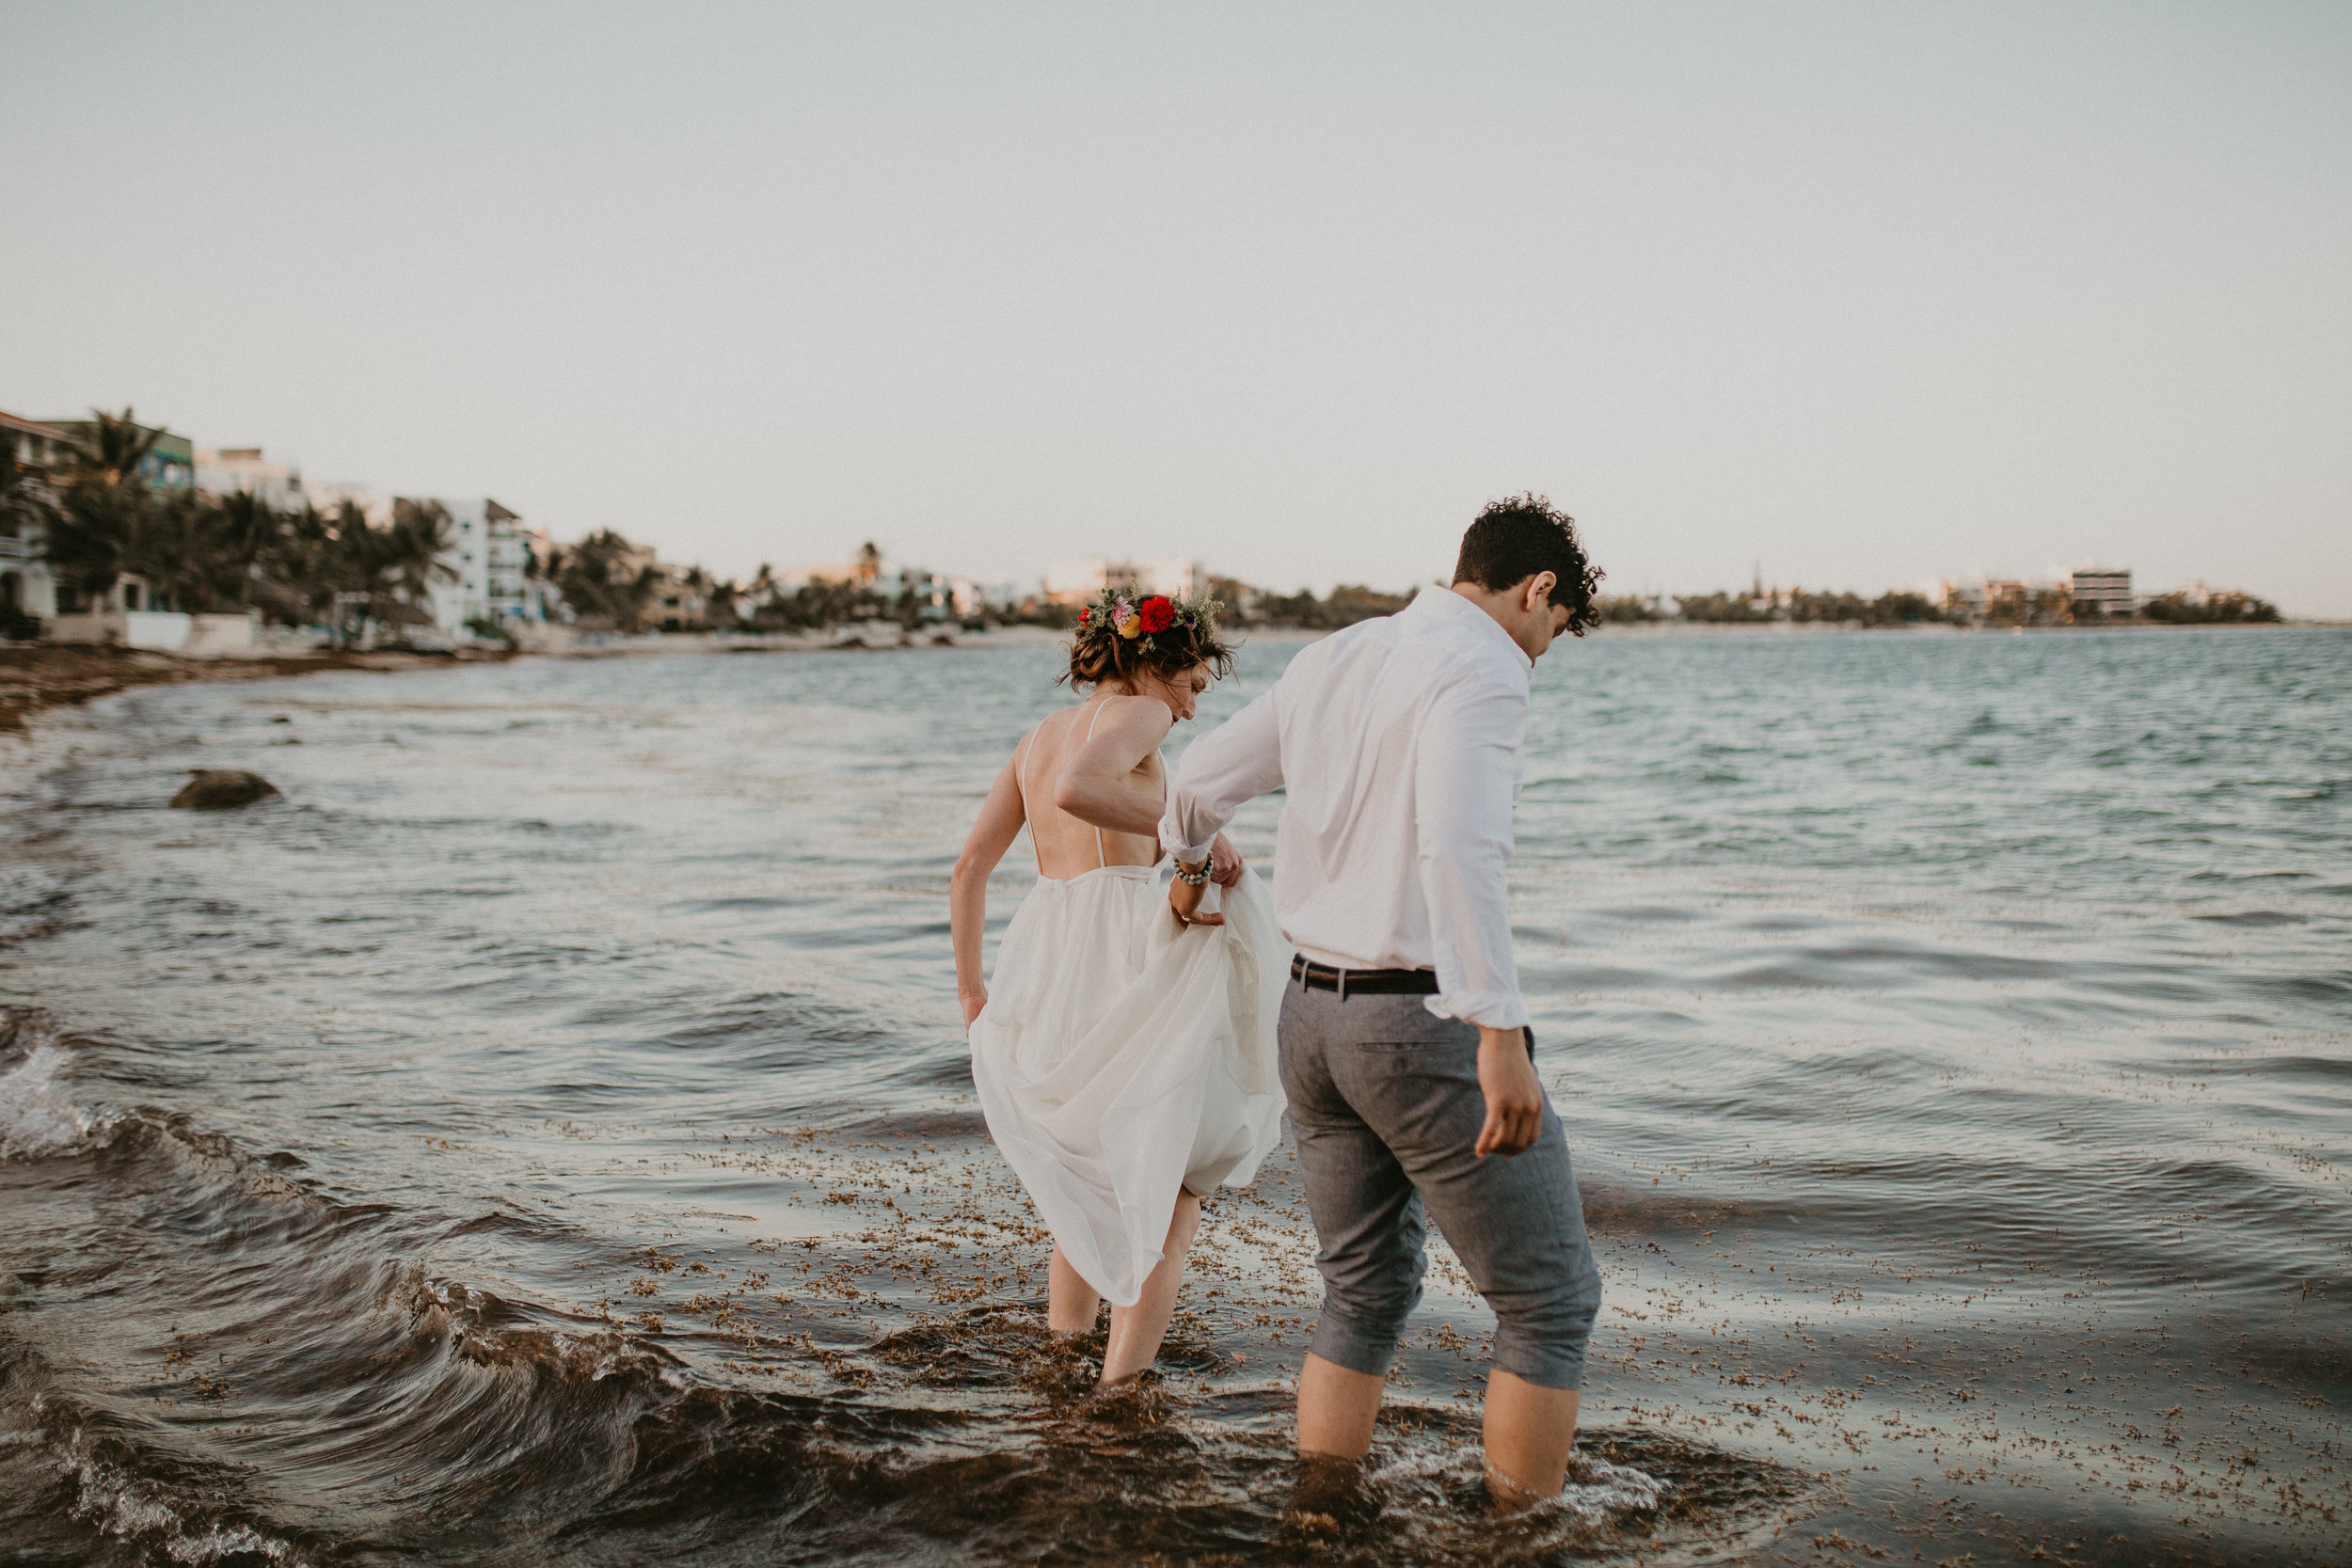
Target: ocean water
{"x":544,"y":1135}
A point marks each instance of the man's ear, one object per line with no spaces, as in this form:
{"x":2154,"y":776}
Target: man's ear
{"x":1539,"y":589}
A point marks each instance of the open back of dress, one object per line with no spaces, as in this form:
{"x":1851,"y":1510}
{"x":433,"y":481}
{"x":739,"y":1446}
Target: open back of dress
{"x":1122,"y":1057}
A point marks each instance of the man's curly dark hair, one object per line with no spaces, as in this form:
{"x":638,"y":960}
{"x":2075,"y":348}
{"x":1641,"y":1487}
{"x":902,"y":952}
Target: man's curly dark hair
{"x":1518,"y":536}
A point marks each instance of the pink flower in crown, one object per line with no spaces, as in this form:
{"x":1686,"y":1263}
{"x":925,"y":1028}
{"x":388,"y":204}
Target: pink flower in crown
{"x":1124,"y":619}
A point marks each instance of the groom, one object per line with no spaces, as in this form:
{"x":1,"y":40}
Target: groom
{"x":1406,"y":1052}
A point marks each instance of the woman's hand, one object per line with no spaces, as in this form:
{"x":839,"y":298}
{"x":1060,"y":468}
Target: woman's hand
{"x":1184,"y":900}
{"x":1225,"y":864}
{"x":973,"y":1002}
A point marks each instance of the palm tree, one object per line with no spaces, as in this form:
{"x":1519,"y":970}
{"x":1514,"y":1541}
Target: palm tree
{"x":412,"y":552}
{"x":103,"y":528}
{"x":97,"y":534}
{"x":246,"y":527}
{"x":27,"y":504}
{"x":756,"y":597}
{"x":174,"y":544}
{"x":724,"y":596}
{"x":293,"y":577}
{"x":350,"y":570}
{"x":112,"y":449}
{"x":595,"y":579}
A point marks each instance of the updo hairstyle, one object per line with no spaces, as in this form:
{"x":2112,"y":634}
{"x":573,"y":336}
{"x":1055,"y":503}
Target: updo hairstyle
{"x":1123,"y":632}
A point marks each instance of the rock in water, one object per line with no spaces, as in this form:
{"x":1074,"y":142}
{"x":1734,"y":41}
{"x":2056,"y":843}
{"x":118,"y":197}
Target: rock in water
{"x":219,"y":789}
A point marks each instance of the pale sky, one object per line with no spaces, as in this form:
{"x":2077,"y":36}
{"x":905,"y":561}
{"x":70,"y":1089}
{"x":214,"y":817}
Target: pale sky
{"x":1868,"y":293}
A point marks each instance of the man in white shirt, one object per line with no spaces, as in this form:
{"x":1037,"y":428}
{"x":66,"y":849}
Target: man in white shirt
{"x":1406,"y":1053}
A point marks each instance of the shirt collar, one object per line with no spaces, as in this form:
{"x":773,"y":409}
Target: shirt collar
{"x":1444,"y":604}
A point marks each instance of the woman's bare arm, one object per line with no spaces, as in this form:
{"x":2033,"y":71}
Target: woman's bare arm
{"x":967,"y":896}
{"x":1099,"y":787}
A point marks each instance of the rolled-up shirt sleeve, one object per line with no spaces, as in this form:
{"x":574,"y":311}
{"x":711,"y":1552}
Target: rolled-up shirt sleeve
{"x":1466,"y":781}
{"x":1235,"y":763}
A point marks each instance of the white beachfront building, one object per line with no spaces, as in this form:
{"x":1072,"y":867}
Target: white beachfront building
{"x":329,"y":497}
{"x":1078,"y":580}
{"x":2102,"y":591}
{"x":222,"y":471}
{"x":489,"y":559}
{"x":490,"y":554}
{"x":26,"y":585}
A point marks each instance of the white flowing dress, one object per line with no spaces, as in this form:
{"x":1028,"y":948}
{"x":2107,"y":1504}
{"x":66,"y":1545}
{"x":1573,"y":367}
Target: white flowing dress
{"x":1122,"y":1057}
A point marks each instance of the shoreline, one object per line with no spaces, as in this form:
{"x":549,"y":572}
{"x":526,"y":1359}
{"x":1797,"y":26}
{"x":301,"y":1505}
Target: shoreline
{"x":36,"y":677}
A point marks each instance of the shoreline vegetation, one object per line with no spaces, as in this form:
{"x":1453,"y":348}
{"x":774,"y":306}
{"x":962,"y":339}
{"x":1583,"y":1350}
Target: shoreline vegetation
{"x":98,"y":517}
{"x":95,"y":517}
{"x":1998,"y":608}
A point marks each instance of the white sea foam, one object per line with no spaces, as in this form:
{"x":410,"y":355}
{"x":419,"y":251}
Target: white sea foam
{"x":1597,"y":1490}
{"x":36,"y":1117}
{"x":1602,"y":1490}
{"x":108,"y":1502}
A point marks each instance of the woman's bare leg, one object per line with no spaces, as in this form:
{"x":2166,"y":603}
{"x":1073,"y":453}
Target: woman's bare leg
{"x":1071,"y":1303}
{"x":1136,"y":1331}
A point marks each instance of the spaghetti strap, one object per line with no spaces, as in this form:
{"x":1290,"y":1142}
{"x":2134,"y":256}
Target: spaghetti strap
{"x":1021,"y":783}
{"x":1101,"y":858}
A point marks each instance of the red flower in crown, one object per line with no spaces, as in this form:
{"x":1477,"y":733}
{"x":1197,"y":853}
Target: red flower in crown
{"x":1157,"y":613}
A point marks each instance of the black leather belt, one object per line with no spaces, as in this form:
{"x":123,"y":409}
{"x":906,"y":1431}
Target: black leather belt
{"x":1370,"y":982}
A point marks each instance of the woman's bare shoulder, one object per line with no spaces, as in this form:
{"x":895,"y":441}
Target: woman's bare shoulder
{"x":1125,"y":708}
{"x":1028,"y":743}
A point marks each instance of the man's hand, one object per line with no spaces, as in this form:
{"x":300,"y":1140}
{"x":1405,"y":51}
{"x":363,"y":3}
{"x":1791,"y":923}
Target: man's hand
{"x":973,"y":1002}
{"x":1224,"y":862}
{"x":1184,"y":900}
{"x":1515,"y":1100}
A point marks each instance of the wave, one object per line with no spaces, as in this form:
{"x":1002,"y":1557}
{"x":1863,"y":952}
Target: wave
{"x":77,"y":1471}
{"x":38,"y":1117}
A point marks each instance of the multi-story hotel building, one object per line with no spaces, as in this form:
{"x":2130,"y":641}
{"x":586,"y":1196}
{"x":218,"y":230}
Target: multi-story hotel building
{"x":2102,"y":593}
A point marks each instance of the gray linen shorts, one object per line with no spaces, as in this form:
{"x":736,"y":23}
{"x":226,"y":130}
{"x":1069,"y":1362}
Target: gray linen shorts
{"x":1385,"y":1101}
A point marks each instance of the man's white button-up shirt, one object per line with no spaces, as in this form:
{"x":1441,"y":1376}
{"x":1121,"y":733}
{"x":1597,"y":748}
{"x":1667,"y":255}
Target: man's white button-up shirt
{"x":1396,"y":743}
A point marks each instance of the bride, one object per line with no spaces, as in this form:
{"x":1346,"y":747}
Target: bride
{"x":1125,"y":1062}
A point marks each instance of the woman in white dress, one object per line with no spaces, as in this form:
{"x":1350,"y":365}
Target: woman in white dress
{"x":1125,"y":1061}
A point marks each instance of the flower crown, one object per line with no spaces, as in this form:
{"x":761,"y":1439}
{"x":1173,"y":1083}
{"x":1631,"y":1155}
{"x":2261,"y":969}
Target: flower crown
{"x":1139,"y":618}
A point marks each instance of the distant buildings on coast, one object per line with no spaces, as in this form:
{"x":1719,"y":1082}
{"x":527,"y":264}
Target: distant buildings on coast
{"x":490,"y":574}
{"x":485,"y":572}
{"x":2094,"y":596}
{"x":2089,"y":594}
{"x":1078,"y":580}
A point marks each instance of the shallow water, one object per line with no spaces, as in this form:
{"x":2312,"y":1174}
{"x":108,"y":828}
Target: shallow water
{"x":544,"y":1135}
